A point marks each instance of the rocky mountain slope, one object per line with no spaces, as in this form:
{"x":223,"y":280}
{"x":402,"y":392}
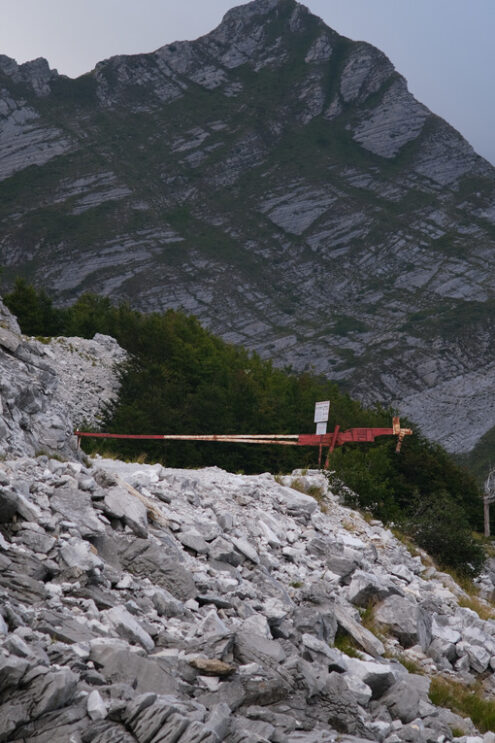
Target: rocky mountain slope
{"x":279,"y":181}
{"x":144,"y":604}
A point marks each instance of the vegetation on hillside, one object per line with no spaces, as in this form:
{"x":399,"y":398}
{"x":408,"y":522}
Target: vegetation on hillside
{"x":182,"y":379}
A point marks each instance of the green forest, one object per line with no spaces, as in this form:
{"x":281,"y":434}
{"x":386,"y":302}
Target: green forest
{"x":181,"y":379}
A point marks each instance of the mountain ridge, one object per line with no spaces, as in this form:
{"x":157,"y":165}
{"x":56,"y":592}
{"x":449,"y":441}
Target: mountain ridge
{"x":271,"y":147}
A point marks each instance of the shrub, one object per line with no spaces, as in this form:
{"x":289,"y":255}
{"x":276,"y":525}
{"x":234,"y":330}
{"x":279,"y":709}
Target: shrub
{"x":439,"y":526}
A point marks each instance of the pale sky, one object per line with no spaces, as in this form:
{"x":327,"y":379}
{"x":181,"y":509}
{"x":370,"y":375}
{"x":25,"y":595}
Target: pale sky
{"x":444,"y":48}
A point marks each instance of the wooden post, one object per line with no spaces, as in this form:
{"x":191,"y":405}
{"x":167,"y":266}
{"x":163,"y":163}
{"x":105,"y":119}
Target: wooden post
{"x":489,"y":497}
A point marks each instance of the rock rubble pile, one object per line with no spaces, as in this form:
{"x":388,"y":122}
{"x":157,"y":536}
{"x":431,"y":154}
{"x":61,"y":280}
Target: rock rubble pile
{"x":148,"y":604}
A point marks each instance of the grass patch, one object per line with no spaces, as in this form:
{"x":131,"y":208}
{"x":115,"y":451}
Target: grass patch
{"x":349,"y":525}
{"x":345,"y":643}
{"x":298,"y":484}
{"x":464,"y":700}
{"x":481,"y":608}
{"x":369,"y":623}
{"x":410,"y":665}
{"x":472,"y":601}
{"x":367,"y":516}
{"x":484,"y":609}
{"x":109,"y":454}
{"x":367,"y":619}
{"x":50,"y":455}
{"x":315,"y":491}
{"x":464,"y":582}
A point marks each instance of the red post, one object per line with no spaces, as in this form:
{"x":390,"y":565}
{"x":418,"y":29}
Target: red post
{"x":332,"y":445}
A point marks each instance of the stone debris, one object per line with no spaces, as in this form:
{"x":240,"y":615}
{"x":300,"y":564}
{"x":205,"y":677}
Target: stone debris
{"x":212,"y":666}
{"x":97,"y":709}
{"x":140,"y":603}
{"x":209,"y":631}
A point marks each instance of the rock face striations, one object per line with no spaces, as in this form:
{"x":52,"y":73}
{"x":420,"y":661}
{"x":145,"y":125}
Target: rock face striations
{"x":282,"y":183}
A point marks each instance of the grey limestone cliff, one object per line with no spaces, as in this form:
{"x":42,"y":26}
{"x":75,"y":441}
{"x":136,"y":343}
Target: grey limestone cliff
{"x":282,"y":183}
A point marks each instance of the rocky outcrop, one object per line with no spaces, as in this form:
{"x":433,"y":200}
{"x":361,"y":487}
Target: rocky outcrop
{"x":355,"y":228}
{"x":47,"y":388}
{"x":35,"y":74}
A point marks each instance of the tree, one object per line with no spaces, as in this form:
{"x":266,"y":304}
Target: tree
{"x":34,"y":310}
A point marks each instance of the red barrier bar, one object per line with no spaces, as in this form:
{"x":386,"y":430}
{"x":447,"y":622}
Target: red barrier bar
{"x":332,"y":439}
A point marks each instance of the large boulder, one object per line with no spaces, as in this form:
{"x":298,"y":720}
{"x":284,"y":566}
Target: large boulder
{"x":378,"y":676}
{"x":122,"y":622}
{"x":8,"y":504}
{"x":478,"y":656}
{"x":76,"y":505}
{"x":337,"y":707}
{"x":45,"y":691}
{"x":147,"y":560}
{"x":365,"y":639}
{"x":444,"y":628}
{"x":367,"y":587}
{"x":404,"y":697}
{"x":120,"y":504}
{"x":295,"y":503}
{"x":48,"y":389}
{"x":119,"y":664}
{"x":404,"y":619}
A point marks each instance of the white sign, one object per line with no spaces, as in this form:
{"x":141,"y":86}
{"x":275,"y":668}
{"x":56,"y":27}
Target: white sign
{"x":322,"y":410}
{"x":321,"y":429}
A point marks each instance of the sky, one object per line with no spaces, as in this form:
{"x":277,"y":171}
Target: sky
{"x":444,"y":48}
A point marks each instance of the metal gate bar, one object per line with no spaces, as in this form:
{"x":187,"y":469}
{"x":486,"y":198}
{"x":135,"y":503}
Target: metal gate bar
{"x":331,"y":440}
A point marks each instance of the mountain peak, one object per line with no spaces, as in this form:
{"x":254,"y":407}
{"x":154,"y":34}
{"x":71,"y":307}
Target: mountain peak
{"x":257,"y":8}
{"x":258,"y":12}
{"x":257,"y":34}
